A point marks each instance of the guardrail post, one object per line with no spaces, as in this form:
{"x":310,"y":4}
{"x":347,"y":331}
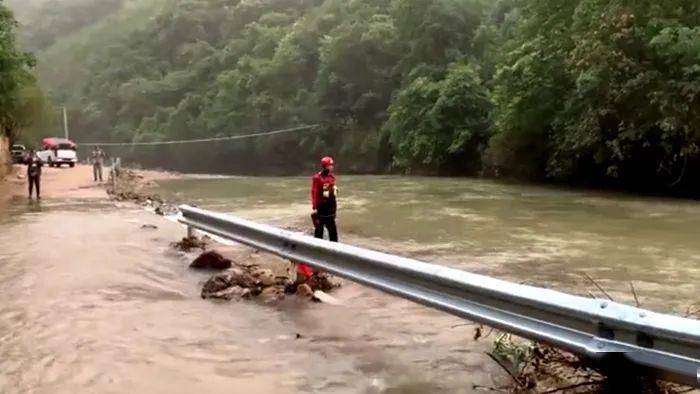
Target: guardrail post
{"x":191,"y":232}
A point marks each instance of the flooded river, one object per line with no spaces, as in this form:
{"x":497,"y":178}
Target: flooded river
{"x":93,"y":302}
{"x":541,"y":235}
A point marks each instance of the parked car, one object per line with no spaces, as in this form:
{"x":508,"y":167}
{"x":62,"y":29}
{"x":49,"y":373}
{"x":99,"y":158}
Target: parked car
{"x":17,"y":153}
{"x":58,"y":151}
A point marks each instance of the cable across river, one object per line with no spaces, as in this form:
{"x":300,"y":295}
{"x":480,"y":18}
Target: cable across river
{"x":193,"y":141}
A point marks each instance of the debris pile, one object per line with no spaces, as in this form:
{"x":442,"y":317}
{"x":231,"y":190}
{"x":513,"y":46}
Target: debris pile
{"x":539,"y":368}
{"x":129,"y":186}
{"x":239,"y":281}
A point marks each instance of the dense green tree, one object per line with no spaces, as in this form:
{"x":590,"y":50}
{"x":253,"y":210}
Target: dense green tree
{"x":441,"y":124}
{"x":600,"y":92}
{"x":21,"y":102}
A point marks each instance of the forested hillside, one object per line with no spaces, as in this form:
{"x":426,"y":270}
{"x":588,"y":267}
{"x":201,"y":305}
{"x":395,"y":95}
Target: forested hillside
{"x":46,"y":21}
{"x":585,"y":91}
{"x":22,"y":104}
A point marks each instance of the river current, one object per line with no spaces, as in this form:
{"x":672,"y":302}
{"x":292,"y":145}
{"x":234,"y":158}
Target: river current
{"x":94,"y":302}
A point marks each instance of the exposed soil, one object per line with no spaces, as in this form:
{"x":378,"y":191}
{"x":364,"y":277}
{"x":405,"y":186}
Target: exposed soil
{"x":77,"y":182}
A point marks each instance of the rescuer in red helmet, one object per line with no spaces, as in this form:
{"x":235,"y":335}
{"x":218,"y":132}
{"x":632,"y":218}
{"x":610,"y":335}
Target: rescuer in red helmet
{"x":323,"y":200}
{"x":323,"y":203}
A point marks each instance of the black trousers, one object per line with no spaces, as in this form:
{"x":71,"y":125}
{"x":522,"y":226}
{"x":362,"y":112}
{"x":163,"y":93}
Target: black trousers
{"x":329,"y":223}
{"x":34,"y":181}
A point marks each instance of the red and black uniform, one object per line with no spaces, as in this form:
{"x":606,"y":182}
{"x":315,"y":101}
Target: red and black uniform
{"x":324,"y":204}
{"x":323,"y":201}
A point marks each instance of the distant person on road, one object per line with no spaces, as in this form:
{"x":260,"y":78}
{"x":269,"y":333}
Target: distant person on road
{"x":34,"y":165}
{"x":98,"y":160}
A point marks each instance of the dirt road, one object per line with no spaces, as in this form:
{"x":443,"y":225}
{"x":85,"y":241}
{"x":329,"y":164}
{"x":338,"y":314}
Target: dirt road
{"x":61,"y":182}
{"x":67,"y":183}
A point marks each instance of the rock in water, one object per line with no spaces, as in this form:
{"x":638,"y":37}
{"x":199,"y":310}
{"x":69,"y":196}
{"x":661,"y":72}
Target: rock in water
{"x":305,"y":291}
{"x":231,"y":277}
{"x":265,"y":276}
{"x":272,"y":294}
{"x":242,"y":278}
{"x":324,"y":282}
{"x":215,"y":284}
{"x":228,"y":294}
{"x":189,"y":243}
{"x":211,"y":260}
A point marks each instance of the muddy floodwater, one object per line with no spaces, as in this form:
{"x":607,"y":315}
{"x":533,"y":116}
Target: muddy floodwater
{"x":93,"y":302}
{"x":539,"y":235}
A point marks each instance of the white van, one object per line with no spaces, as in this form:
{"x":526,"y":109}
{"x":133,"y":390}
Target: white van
{"x":58,"y":151}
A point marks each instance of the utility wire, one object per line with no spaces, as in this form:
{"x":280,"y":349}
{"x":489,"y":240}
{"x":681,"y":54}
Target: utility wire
{"x":228,"y":138}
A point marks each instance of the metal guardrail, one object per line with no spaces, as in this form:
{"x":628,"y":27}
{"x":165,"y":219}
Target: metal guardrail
{"x":632,"y":339}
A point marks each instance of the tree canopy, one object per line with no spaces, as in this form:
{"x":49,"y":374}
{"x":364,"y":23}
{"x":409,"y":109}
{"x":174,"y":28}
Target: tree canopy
{"x":601,"y":91}
{"x":22,"y":103}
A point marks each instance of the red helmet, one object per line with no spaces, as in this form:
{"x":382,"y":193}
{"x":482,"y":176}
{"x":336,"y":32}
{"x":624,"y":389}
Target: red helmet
{"x":327,"y":161}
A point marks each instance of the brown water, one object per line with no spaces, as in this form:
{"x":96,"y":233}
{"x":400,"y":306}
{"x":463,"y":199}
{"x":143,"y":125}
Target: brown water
{"x":541,"y":235}
{"x":94,"y":303}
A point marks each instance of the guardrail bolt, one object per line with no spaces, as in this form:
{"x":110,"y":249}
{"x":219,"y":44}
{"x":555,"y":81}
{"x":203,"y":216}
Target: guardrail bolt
{"x":604,"y":305}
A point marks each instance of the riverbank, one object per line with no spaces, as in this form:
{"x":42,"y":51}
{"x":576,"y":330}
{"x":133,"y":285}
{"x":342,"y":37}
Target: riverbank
{"x":77,"y":182}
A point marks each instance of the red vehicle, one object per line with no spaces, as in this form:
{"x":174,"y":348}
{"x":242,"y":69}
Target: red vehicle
{"x":58,"y":151}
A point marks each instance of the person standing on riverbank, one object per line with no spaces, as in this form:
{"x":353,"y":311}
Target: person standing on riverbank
{"x":34,"y":165}
{"x":98,"y":160}
{"x":324,"y":206}
{"x":323,"y":200}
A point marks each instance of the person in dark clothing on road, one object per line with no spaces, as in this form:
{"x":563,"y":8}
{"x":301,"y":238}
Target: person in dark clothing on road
{"x":34,"y":165}
{"x":323,"y":200}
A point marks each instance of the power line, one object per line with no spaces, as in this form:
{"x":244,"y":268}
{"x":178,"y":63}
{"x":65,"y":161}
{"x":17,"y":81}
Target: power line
{"x":228,"y":138}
